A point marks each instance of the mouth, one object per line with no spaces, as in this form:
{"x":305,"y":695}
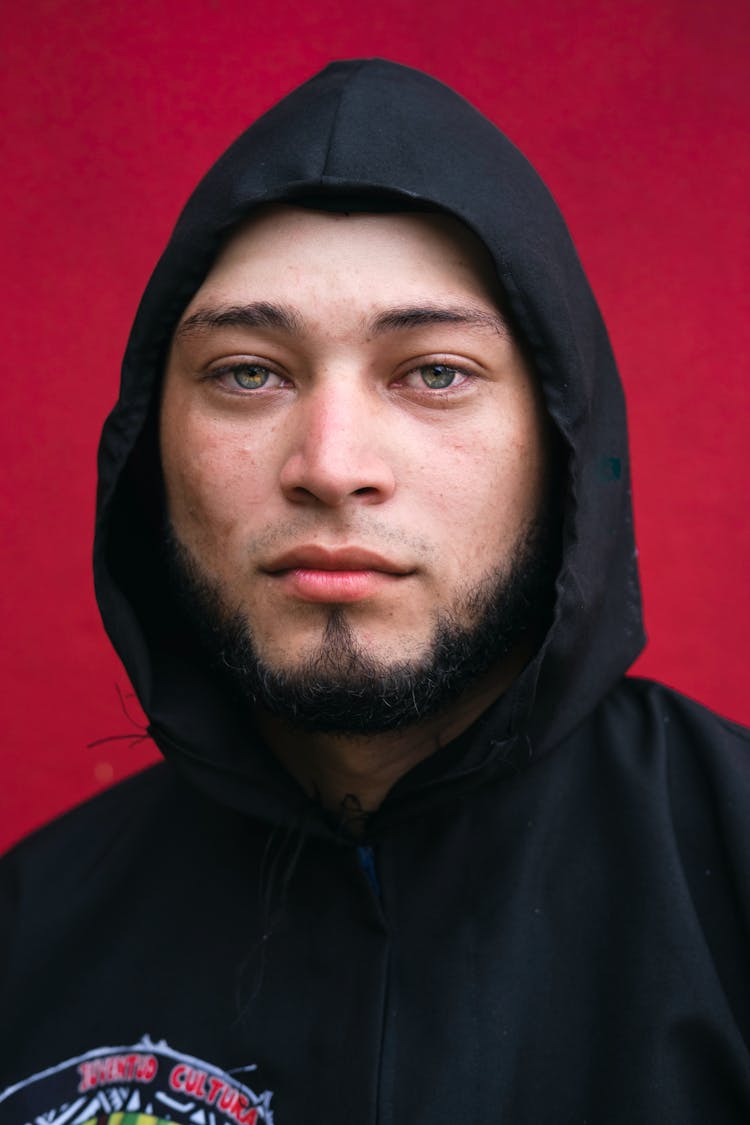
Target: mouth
{"x":343,"y":574}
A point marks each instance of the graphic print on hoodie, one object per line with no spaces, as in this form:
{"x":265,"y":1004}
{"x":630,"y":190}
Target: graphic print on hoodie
{"x":143,"y":1084}
{"x":551,"y":918}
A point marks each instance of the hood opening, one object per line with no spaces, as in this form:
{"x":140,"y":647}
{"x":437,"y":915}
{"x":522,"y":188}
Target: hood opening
{"x":310,"y":151}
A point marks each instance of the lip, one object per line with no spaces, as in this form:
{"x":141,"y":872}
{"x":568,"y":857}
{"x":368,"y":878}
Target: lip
{"x":313,"y":557}
{"x":334,"y":574}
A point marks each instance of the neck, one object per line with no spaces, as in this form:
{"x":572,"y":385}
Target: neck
{"x":352,"y":773}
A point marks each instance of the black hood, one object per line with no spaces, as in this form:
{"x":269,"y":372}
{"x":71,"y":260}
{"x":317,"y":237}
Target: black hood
{"x":376,"y":127}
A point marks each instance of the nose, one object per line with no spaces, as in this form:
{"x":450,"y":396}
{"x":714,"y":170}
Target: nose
{"x":337,"y":453}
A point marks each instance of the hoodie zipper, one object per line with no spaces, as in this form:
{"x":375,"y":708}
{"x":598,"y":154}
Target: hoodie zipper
{"x":366,"y":857}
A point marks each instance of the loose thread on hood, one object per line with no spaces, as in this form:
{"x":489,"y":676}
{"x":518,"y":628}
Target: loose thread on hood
{"x":135,"y":739}
{"x":142,"y":735}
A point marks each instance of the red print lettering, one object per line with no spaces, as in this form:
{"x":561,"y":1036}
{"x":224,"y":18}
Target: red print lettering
{"x":195,"y":1083}
{"x":242,"y":1114}
{"x":177,"y":1077}
{"x":215,"y":1086}
{"x":213,"y":1091}
{"x":117,"y":1068}
{"x":146,"y":1069}
{"x":87,"y":1077}
{"x":227,"y":1099}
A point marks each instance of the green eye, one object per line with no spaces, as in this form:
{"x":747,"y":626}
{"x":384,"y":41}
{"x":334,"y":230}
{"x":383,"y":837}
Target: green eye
{"x":437,"y":376}
{"x":250,"y":377}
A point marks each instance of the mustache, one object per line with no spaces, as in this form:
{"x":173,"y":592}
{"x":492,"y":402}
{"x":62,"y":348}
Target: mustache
{"x":374,"y":533}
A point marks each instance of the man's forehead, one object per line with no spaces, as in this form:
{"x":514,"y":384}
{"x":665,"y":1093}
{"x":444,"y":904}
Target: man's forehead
{"x":417,"y":268}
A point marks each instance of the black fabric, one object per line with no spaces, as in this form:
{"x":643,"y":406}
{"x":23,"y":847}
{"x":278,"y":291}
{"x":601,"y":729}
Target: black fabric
{"x":562,"y":926}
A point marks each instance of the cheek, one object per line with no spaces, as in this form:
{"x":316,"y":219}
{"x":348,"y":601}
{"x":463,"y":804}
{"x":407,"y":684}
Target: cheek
{"x":486,"y":486}
{"x":215,"y":480}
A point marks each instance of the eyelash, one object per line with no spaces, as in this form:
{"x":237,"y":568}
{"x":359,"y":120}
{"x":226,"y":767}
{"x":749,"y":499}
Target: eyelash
{"x":231,"y":370}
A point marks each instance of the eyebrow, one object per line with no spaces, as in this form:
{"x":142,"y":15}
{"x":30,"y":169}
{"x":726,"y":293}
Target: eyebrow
{"x":264,"y":314}
{"x":425,"y":315}
{"x":258,"y":314}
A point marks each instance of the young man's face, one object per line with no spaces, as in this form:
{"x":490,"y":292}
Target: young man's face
{"x":352,"y":443}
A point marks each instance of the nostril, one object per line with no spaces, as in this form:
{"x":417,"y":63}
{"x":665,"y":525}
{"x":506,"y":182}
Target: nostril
{"x":319,"y":470}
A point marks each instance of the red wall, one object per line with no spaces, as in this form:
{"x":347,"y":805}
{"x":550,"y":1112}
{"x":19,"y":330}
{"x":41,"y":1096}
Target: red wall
{"x":634,"y":114}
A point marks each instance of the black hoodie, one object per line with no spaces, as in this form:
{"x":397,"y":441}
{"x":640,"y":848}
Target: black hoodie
{"x":549,"y":919}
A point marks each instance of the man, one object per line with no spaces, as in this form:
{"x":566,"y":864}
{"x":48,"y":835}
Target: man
{"x":419,"y":851}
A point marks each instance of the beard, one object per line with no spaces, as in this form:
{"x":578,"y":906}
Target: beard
{"x":341,"y":688}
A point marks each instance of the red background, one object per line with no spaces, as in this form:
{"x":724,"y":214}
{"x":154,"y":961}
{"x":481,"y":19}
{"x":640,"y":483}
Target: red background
{"x":634,"y":114}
